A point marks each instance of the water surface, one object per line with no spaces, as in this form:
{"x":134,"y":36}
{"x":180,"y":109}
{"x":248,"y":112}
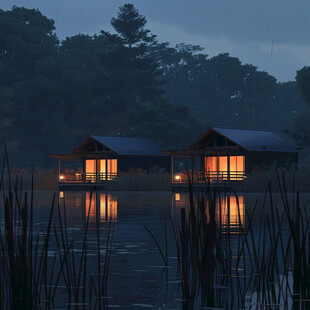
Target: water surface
{"x":137,"y":277}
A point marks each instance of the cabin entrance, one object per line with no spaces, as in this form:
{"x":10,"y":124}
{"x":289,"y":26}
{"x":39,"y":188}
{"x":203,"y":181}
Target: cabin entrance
{"x":222,"y":168}
{"x":90,"y":171}
{"x":100,"y":170}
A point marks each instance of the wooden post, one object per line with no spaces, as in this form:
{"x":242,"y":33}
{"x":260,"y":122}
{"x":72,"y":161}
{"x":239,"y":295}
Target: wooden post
{"x":228,"y":168}
{"x":96,"y":171}
{"x":58,"y":169}
{"x":106,"y":169}
{"x":84,"y":170}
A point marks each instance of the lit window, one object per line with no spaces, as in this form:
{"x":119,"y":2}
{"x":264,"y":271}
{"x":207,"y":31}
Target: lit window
{"x":237,"y":167}
{"x":216,"y":167}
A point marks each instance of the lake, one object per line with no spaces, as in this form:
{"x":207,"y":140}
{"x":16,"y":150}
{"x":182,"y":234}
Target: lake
{"x":138,"y":278}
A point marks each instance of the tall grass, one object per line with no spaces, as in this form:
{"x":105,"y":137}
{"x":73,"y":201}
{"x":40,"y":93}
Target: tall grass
{"x":265,"y":266}
{"x":295,"y":179}
{"x":30,"y":275}
{"x":44,"y":179}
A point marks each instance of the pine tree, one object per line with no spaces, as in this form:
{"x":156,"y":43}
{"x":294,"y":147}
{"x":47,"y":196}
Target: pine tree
{"x":141,"y":78}
{"x":130,"y":26}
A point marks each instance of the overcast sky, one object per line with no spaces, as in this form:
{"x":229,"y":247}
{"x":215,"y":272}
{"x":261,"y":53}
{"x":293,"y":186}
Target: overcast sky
{"x":271,"y":34}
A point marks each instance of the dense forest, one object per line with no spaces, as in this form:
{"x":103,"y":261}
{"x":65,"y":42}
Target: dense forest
{"x":54,"y":93}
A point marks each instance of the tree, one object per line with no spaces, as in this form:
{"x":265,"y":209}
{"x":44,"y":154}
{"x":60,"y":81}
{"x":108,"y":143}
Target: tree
{"x":301,"y":129}
{"x":54,"y":94}
{"x":26,"y":36}
{"x":6,"y":112}
{"x":140,"y":73}
{"x":303,"y":82}
{"x":220,"y":89}
{"x":130,"y":25}
{"x":169,"y":124}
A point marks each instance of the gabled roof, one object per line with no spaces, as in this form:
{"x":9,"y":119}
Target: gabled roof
{"x":130,"y":146}
{"x":253,"y":139}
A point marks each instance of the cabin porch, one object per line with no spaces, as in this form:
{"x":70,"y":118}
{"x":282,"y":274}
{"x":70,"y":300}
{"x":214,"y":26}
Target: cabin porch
{"x":201,"y":168}
{"x":86,"y":170}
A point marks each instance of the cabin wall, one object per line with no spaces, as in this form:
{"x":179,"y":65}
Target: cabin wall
{"x":259,"y":161}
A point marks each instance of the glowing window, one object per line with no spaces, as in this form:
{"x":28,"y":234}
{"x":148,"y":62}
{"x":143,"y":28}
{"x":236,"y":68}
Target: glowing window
{"x":90,"y":166}
{"x":112,"y":168}
{"x":108,"y":169}
{"x":216,"y":167}
{"x":223,"y":167}
{"x":237,"y":167}
{"x":211,"y":164}
{"x":103,"y":169}
{"x":90,"y":169}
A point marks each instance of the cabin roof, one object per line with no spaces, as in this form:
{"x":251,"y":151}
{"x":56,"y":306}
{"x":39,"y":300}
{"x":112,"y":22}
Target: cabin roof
{"x":253,"y":139}
{"x":130,"y":146}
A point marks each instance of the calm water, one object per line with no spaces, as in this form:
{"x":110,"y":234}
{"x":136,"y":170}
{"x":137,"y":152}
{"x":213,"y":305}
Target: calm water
{"x":137,"y":279}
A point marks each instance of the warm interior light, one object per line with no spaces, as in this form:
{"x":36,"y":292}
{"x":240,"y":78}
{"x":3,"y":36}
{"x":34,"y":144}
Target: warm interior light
{"x":177,"y":177}
{"x":177,"y":196}
{"x":61,"y":177}
{"x":61,"y":194}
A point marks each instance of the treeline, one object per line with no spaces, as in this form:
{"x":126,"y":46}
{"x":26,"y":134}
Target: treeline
{"x":55,"y":93}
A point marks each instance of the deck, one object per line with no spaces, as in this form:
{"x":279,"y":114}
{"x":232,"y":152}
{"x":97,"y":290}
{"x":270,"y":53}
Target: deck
{"x":76,"y":181}
{"x":223,"y":181}
{"x":82,"y":177}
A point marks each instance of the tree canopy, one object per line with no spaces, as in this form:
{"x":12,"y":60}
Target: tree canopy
{"x":303,"y":82}
{"x":55,"y":93}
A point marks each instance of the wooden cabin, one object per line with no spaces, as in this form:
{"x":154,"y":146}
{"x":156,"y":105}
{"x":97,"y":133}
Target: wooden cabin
{"x":104,"y":158}
{"x":231,"y":154}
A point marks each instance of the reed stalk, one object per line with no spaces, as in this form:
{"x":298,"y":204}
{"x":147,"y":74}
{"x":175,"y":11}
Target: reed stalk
{"x":29,"y":275}
{"x":263,"y":266}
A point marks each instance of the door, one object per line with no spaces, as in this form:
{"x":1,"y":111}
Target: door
{"x":90,"y":170}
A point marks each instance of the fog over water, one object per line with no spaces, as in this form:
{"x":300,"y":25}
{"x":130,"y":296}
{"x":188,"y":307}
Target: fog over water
{"x":273,"y":35}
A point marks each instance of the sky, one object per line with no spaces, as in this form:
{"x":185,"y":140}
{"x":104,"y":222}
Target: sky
{"x":270,"y":34}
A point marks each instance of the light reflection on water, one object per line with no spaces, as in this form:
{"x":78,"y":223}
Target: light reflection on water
{"x":230,"y":210}
{"x":102,"y":203}
{"x":230,"y":213}
{"x":136,"y":267}
{"x":135,"y":278}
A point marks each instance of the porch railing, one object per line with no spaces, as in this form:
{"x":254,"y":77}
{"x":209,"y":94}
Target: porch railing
{"x":87,"y":177}
{"x":210,"y":176}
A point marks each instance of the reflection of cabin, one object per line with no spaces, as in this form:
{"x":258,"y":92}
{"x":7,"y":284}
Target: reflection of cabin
{"x":226,"y":154}
{"x":230,"y":211}
{"x":101,"y":207}
{"x":103,"y":158}
{"x":95,"y":205}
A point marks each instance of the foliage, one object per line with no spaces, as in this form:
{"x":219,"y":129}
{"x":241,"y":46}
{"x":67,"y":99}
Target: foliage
{"x":54,"y":94}
{"x":129,"y":24}
{"x":303,"y":82}
{"x":171,"y":124}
